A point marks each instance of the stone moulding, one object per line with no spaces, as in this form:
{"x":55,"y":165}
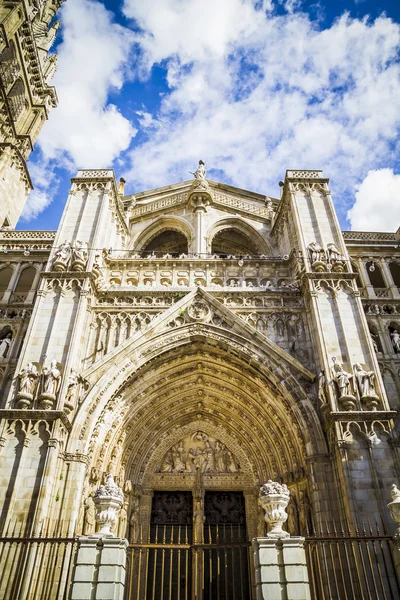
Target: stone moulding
{"x":35,"y":415}
{"x":356,"y":415}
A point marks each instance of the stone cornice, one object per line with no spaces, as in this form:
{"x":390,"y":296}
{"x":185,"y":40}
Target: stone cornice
{"x":353,"y":415}
{"x":35,"y":415}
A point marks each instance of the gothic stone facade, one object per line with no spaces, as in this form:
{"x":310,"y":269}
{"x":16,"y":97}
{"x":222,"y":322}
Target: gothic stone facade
{"x":196,"y":328}
{"x":27,"y":32}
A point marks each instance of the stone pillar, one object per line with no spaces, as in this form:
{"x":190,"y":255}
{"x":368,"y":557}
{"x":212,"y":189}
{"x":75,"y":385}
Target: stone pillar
{"x":394,"y":509}
{"x":99,"y":572}
{"x":281,"y":570}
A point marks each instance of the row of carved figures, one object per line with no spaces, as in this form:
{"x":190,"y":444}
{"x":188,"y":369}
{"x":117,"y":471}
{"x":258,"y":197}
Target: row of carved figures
{"x":44,"y":383}
{"x":325,"y":259}
{"x":348,"y":386}
{"x":71,"y":256}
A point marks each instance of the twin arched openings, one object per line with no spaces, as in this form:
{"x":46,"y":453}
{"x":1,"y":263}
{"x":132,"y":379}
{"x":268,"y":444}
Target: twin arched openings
{"x":227,"y":238}
{"x":23,"y":284}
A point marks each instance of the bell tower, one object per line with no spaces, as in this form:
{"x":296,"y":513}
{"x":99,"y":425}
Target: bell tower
{"x":27,"y":32}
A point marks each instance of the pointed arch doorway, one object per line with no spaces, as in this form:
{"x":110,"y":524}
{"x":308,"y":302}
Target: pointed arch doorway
{"x":197,"y":548}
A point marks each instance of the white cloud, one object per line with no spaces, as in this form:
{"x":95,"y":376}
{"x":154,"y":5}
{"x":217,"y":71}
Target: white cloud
{"x":377,"y":205}
{"x":254,"y":93}
{"x":37,"y":201}
{"x":93,"y":59}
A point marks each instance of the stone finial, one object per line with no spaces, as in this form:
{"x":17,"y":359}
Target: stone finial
{"x":394,"y":508}
{"x":108,"y":499}
{"x":274,"y":498}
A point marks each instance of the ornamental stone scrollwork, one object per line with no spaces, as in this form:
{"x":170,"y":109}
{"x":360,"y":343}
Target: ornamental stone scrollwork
{"x":198,"y":451}
{"x":28,"y":380}
{"x":343,"y":383}
{"x":274,"y":498}
{"x":366,"y":387}
{"x":198,"y":311}
{"x":51,"y":385}
{"x":108,"y":499}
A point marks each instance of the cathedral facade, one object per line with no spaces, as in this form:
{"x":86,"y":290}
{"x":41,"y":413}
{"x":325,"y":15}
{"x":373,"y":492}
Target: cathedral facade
{"x":176,"y":350}
{"x":27,"y":32}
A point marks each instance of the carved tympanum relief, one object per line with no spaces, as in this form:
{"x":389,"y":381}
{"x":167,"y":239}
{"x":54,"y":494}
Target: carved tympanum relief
{"x":199,"y":451}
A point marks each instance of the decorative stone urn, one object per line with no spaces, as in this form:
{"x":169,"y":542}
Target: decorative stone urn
{"x":274,"y":498}
{"x":394,"y":508}
{"x":108,"y":500}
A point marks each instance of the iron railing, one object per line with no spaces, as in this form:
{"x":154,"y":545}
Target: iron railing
{"x":356,"y":566}
{"x":172,"y":568}
{"x":36,"y":568}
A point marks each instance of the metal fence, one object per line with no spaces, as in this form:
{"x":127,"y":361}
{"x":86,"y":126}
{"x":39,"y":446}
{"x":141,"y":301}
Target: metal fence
{"x":172,"y":568}
{"x":36,"y":568}
{"x":351,"y":567}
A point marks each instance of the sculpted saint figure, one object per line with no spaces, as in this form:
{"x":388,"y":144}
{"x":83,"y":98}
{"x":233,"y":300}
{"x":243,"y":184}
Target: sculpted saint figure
{"x":73,"y":382}
{"x":134,"y":522}
{"x":316,"y":252}
{"x":365,"y":381}
{"x":5,"y":344}
{"x":28,"y":379}
{"x":220,"y":457}
{"x":322,"y":388}
{"x":333,"y":253}
{"x":209,"y":457}
{"x":52,"y":379}
{"x":343,"y":380}
{"x":198,"y":520}
{"x":200,"y":172}
{"x":90,"y":516}
{"x":395,"y":336}
{"x":122,"y":521}
{"x":79,"y":255}
{"x":63,"y":254}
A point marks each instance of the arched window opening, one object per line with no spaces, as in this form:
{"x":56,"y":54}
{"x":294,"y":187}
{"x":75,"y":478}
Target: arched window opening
{"x":357,"y":274}
{"x":25,"y":280}
{"x":376,"y":340}
{"x":9,"y":66}
{"x":16,"y":99}
{"x":395,"y":271}
{"x":168,"y":242}
{"x":232,"y":241}
{"x":5,"y":276}
{"x":375,"y":275}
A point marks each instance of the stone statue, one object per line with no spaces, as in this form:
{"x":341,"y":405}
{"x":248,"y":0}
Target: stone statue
{"x":198,"y":521}
{"x":316,"y":252}
{"x":305,"y":514}
{"x":366,"y":386}
{"x":333,"y":253}
{"x":177,"y":457}
{"x":79,"y":255}
{"x":322,"y":388}
{"x":51,"y":380}
{"x":122,"y":521}
{"x":293,"y":517}
{"x":5,"y":345}
{"x":344,"y":385}
{"x":134,"y":522}
{"x":190,"y":465}
{"x":89,"y":518}
{"x":62,"y":257}
{"x":200,"y":172}
{"x":28,"y":379}
{"x":232,"y":466}
{"x":220,"y":457}
{"x":70,"y":397}
{"x":209,"y":457}
{"x":167,"y":464}
{"x":395,"y":336}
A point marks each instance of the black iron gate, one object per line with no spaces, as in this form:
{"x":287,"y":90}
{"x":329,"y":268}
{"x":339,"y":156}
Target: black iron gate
{"x":174,"y":564}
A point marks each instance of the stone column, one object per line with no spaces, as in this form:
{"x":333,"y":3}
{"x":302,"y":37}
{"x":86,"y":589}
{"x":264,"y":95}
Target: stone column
{"x":280,"y":560}
{"x":394,"y":509}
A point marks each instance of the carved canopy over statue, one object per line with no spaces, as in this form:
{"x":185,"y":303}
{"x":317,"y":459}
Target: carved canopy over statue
{"x":200,"y":452}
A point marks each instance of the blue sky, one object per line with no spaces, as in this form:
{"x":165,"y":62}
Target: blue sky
{"x":252,"y":87}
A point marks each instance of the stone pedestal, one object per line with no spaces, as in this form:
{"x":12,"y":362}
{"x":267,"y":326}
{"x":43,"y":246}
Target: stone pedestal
{"x":281,"y":570}
{"x":99,"y":572}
